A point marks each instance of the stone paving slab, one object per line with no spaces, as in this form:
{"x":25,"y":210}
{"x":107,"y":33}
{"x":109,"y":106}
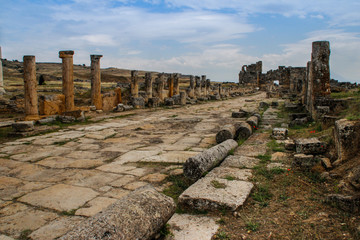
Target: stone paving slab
{"x":191,"y":227}
{"x":239,"y":161}
{"x":60,"y":197}
{"x":171,"y":157}
{"x":211,"y":193}
{"x":230,"y":173}
{"x":68,"y":162}
{"x":94,"y":206}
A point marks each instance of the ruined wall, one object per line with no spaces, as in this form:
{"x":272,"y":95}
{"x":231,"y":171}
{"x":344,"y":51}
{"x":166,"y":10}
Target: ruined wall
{"x":251,"y":74}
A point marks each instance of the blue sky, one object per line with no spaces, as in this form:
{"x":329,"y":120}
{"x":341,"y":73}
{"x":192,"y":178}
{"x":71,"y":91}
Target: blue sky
{"x":212,"y":37}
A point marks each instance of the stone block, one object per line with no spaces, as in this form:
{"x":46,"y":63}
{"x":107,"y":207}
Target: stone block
{"x":263,"y":105}
{"x":243,"y":130}
{"x":347,"y":139}
{"x":304,"y":161}
{"x":153,"y":102}
{"x":138,"y":102}
{"x":293,"y":116}
{"x":310,"y":146}
{"x":240,"y":114}
{"x":289,"y":144}
{"x":274,"y":104}
{"x":24,"y":126}
{"x":279,"y":133}
{"x":299,"y":122}
{"x":139,"y":215}
{"x":346,"y":203}
{"x":326,"y":163}
{"x":169,"y":101}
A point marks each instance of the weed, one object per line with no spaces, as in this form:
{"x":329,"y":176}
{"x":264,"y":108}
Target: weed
{"x":60,"y":143}
{"x":180,"y":184}
{"x":231,"y":152}
{"x":230,"y":178}
{"x":68,"y":213}
{"x":275,"y":147}
{"x":264,"y":158}
{"x":284,"y":197}
{"x":221,"y":236}
{"x":123,"y":116}
{"x":221,"y":221}
{"x":173,"y":116}
{"x":252,"y":226}
{"x":217,"y":184}
{"x":165,"y":231}
{"x":262,"y":194}
{"x":24,"y":235}
{"x":241,"y":141}
{"x":277,"y":170}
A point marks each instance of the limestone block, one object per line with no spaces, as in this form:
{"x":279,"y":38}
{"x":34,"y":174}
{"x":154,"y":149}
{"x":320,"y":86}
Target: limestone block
{"x":238,"y":161}
{"x":153,"y":102}
{"x":304,"y":161}
{"x":240,"y":114}
{"x":227,"y":132}
{"x":24,"y":126}
{"x":139,"y":215}
{"x":196,"y":166}
{"x":279,"y":133}
{"x":310,"y":146}
{"x":299,"y":122}
{"x":243,"y":130}
{"x":289,"y":144}
{"x":347,"y":139}
{"x":211,"y":193}
{"x":138,"y":102}
{"x":169,"y":101}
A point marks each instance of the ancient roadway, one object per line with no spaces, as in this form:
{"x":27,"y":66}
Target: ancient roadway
{"x":51,"y":182}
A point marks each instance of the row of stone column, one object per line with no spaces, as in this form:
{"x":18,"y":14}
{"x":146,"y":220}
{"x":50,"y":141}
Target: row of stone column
{"x":2,"y":90}
{"x":30,"y":83}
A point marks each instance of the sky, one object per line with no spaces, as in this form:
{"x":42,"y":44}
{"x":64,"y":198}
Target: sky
{"x":198,"y":37}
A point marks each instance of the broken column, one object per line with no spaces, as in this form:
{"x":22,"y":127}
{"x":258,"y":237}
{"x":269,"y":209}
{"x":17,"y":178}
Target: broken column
{"x":176,"y":84}
{"x":208,"y":85}
{"x":96,"y":99}
{"x":170,"y":83}
{"x":192,"y":87}
{"x":160,"y":86}
{"x":2,"y":90}
{"x":220,"y":89}
{"x":182,"y":98}
{"x":148,"y":84}
{"x":30,"y":84}
{"x":197,"y":86}
{"x":227,"y":132}
{"x":68,"y":78}
{"x":203,"y":85}
{"x":139,"y":215}
{"x":134,"y":84}
{"x":197,"y":165}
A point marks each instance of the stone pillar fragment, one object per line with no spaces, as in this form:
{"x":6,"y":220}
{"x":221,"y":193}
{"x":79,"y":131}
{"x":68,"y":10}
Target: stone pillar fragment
{"x":170,"y":83}
{"x":197,"y":86}
{"x":182,"y":98}
{"x":148,"y":84}
{"x":203,"y":84}
{"x":96,"y":99}
{"x":208,"y":85}
{"x":176,"y":84}
{"x":160,"y":86}
{"x":192,"y":87}
{"x":2,"y":90}
{"x":220,"y":89}
{"x":134,"y":84}
{"x":30,"y":84}
{"x":68,"y":78}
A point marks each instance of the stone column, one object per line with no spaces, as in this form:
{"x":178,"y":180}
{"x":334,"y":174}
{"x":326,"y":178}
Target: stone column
{"x":170,"y":82}
{"x":96,"y":99}
{"x":160,"y":86}
{"x":183,"y":98}
{"x":134,"y":84}
{"x":203,"y":85}
{"x":207,"y":88}
{"x":197,"y":86}
{"x":68,"y":78}
{"x":220,"y":89}
{"x":148,"y":84}
{"x":192,"y":87}
{"x":2,"y":90}
{"x":30,"y":84}
{"x":176,"y":84}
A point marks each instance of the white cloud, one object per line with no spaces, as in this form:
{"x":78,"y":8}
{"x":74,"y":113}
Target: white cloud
{"x":96,"y":39}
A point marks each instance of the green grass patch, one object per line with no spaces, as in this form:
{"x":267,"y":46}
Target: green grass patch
{"x":252,"y":226}
{"x":241,"y":141}
{"x":179,"y":184}
{"x":264,"y":158}
{"x":124,"y":116}
{"x":24,"y":235}
{"x":275,"y":146}
{"x":262,"y":194}
{"x":165,"y":231}
{"x":68,"y":213}
{"x":217,"y":184}
{"x":230,"y":178}
{"x":221,"y":236}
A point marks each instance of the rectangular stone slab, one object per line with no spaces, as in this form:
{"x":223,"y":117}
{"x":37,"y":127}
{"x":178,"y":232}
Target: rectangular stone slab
{"x":204,"y":195}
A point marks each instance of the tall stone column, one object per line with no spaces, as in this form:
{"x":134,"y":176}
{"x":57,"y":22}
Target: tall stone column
{"x":2,"y":90}
{"x":68,"y":78}
{"x":176,"y":84}
{"x":207,"y":89}
{"x":220,"y":89}
{"x":148,"y":84}
{"x":160,"y":86}
{"x":197,"y":86}
{"x":203,"y":84}
{"x":30,"y":84}
{"x":192,"y":87}
{"x":134,"y":84}
{"x":96,"y":99}
{"x":170,"y":82}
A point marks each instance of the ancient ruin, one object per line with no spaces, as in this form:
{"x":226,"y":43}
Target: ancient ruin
{"x":96,"y":99}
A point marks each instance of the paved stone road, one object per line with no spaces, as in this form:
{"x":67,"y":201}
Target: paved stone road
{"x":49,"y":183}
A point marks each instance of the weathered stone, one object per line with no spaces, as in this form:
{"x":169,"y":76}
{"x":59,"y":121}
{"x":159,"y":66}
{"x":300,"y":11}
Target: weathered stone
{"x":346,"y":203}
{"x":238,"y":161}
{"x":24,"y":126}
{"x":169,"y":101}
{"x":138,"y":102}
{"x":230,"y":173}
{"x":253,"y":122}
{"x":238,"y":114}
{"x":310,"y":146}
{"x":289,"y":145}
{"x":134,"y":84}
{"x":347,"y":139}
{"x":279,"y":133}
{"x":299,"y":122}
{"x":326,"y":163}
{"x":274,"y":104}
{"x":227,"y":132}
{"x":30,"y":87}
{"x":154,"y":177}
{"x":182,"y":98}
{"x":185,"y":226}
{"x":263,"y":105}
{"x":134,"y":185}
{"x":216,"y":193}
{"x":275,"y":165}
{"x":47,"y":120}
{"x":196,"y":166}
{"x":139,"y":215}
{"x":60,"y":197}
{"x":293,"y":116}
{"x":68,"y":78}
{"x":354,"y":177}
{"x":153,"y":102}
{"x":243,"y":130}
{"x":304,"y":161}
{"x":279,"y":156}
{"x":94,"y":206}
